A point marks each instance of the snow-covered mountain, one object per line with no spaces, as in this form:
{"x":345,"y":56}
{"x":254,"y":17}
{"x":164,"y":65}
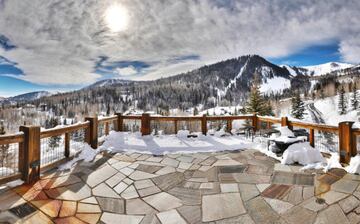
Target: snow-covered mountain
{"x":109,"y":82}
{"x":28,"y":96}
{"x":322,"y":69}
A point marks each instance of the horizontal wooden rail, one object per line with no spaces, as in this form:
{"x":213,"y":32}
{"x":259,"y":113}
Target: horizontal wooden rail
{"x":319,"y":127}
{"x":269,"y":119}
{"x":60,"y":131}
{"x":107,"y":119}
{"x":10,"y":139}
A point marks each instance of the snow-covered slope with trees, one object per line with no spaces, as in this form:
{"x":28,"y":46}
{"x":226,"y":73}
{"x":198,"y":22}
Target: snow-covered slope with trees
{"x":322,"y":69}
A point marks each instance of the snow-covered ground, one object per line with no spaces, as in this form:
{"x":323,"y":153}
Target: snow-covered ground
{"x":275,"y":85}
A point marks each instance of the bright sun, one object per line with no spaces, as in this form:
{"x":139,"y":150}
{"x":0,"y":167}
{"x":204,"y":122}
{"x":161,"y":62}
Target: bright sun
{"x":117,"y":18}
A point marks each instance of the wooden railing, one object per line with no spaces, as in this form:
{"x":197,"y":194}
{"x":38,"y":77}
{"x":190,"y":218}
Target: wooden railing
{"x":31,"y":144}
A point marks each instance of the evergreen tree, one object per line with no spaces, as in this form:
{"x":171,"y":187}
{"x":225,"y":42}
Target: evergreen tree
{"x":342,"y":104}
{"x":256,"y":102}
{"x":354,"y":99}
{"x":4,"y":149}
{"x":297,"y":107}
{"x":54,"y":141}
{"x":196,"y":111}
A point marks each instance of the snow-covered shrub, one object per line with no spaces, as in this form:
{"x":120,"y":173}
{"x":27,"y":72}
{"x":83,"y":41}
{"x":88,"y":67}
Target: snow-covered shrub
{"x":182,"y":133}
{"x":303,"y":154}
{"x":285,"y":131}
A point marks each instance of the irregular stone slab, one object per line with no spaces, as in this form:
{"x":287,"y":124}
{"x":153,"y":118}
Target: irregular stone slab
{"x":168,"y":181}
{"x":89,"y":218}
{"x":229,"y":188}
{"x":345,"y":186}
{"x":331,"y":197}
{"x":292,"y":178}
{"x":248,"y":178}
{"x":120,"y":187}
{"x":49,"y":207}
{"x":113,"y":205}
{"x":240,"y":219}
{"x":331,"y":215}
{"x":149,"y":191}
{"x":128,"y":181}
{"x":299,"y":214}
{"x":282,"y":167}
{"x":120,"y":165}
{"x":10,"y":199}
{"x":226,"y":162}
{"x":192,"y":214}
{"x":138,"y":207}
{"x":248,"y":191}
{"x":187,"y":196}
{"x":7,"y":217}
{"x":206,"y":186}
{"x":170,"y":162}
{"x":91,"y":200}
{"x":209,"y":161}
{"x":348,"y":204}
{"x":75,"y":192}
{"x":232,"y":169}
{"x":68,"y":208}
{"x":116,"y":179}
{"x":278,"y":206}
{"x":148,"y":168}
{"x":163,"y":201}
{"x":130,"y":193}
{"x":150,"y":219}
{"x":308,"y":192}
{"x":22,"y":210}
{"x":313,"y":205}
{"x":156,"y":159}
{"x":170,"y":217}
{"x":127,"y":171}
{"x":262,"y":187}
{"x":88,"y":208}
{"x":261,"y":212}
{"x":37,"y":217}
{"x":221,"y":206}
{"x":186,"y":159}
{"x":141,"y":184}
{"x":295,"y":195}
{"x":143,"y":157}
{"x":140,"y":175}
{"x":278,"y":191}
{"x":99,"y":176}
{"x":184,"y":165}
{"x":103,"y":190}
{"x":28,"y":192}
{"x":192,"y":185}
{"x":110,"y":218}
{"x":166,"y":170}
{"x":67,"y":220}
{"x":59,"y":181}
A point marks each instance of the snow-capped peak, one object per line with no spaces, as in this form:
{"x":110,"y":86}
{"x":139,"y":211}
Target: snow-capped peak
{"x":322,"y":69}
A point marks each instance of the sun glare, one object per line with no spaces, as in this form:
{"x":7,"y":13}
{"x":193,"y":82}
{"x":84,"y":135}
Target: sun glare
{"x":116,"y":18}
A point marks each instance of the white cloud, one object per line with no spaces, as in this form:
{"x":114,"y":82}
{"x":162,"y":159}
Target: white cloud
{"x":126,"y":71}
{"x":60,"y":41}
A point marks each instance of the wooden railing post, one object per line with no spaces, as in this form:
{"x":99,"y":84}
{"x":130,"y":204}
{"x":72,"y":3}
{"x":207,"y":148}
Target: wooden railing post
{"x":145,"y":124}
{"x":67,"y":145}
{"x":29,"y":156}
{"x":312,"y":137}
{"x":284,"y":121}
{"x":176,"y":126}
{"x":107,"y":128}
{"x":204,"y":124}
{"x":347,"y":148}
{"x":255,"y":122}
{"x":92,"y":132}
{"x":229,"y":125}
{"x":119,"y":122}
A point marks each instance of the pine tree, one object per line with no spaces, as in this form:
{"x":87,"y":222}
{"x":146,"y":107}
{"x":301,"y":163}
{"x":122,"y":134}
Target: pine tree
{"x":54,"y":141}
{"x":256,"y":102}
{"x":342,"y":104}
{"x":297,"y":107}
{"x":196,"y":111}
{"x":354,"y":99}
{"x":4,"y":149}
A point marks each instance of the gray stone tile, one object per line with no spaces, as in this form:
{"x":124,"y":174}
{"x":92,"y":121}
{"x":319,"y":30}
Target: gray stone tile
{"x":99,"y":176}
{"x":163,"y":201}
{"x":192,"y":214}
{"x":138,"y":207}
{"x":298,"y":215}
{"x":168,"y":181}
{"x":110,"y":218}
{"x":261,"y":212}
{"x":148,"y":191}
{"x":345,"y":186}
{"x":186,"y":195}
{"x":279,"y":206}
{"x":170,"y":217}
{"x":232,"y":169}
{"x":313,"y":204}
{"x":113,"y":205}
{"x":293,"y":178}
{"x":348,"y":204}
{"x":248,"y":191}
{"x":332,"y":197}
{"x":221,"y":206}
{"x":236,"y":220}
{"x":103,"y":190}
{"x":331,"y":215}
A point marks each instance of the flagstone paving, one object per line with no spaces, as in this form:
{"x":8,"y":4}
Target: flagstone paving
{"x":222,"y":187}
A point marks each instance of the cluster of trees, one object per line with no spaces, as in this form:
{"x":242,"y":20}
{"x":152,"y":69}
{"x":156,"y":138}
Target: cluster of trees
{"x":343,"y":101}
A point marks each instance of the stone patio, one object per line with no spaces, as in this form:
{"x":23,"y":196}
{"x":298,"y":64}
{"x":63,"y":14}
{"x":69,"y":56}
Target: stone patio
{"x":222,"y":187}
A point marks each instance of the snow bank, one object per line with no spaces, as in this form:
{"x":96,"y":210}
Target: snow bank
{"x":303,"y":154}
{"x":125,"y":141}
{"x":87,"y":154}
{"x":354,"y":166}
{"x":183,"y":133}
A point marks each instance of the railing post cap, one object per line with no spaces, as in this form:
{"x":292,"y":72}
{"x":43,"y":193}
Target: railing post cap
{"x":347,"y":122}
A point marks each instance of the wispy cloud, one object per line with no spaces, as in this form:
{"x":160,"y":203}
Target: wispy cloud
{"x":61,"y":41}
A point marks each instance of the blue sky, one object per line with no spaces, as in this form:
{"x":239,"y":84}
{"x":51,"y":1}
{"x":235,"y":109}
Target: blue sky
{"x":68,"y":44}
